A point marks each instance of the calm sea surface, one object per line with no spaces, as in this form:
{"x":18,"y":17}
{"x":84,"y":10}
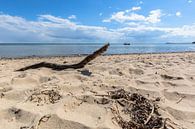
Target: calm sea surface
{"x":43,"y":49}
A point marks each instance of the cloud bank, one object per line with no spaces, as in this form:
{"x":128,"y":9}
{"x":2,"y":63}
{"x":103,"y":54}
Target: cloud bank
{"x":49,"y":28}
{"x":125,"y":16}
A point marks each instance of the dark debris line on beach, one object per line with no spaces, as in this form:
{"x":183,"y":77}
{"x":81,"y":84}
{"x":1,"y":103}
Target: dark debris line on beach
{"x":141,"y":112}
{"x":59,"y":67}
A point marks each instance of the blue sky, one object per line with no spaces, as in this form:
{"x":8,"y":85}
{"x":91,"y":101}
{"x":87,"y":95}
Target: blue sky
{"x":97,"y":20}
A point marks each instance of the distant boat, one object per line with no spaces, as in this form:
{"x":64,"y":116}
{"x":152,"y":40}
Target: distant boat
{"x":193,"y":42}
{"x":170,"y":43}
{"x":126,"y":44}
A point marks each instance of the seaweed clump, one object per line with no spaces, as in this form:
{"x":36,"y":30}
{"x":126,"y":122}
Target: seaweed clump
{"x":138,"y":111}
{"x":45,"y":96}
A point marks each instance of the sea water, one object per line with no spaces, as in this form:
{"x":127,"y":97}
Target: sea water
{"x":64,"y":49}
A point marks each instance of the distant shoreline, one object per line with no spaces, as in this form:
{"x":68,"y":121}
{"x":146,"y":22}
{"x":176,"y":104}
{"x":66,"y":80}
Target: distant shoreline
{"x":43,"y":44}
{"x":179,"y":43}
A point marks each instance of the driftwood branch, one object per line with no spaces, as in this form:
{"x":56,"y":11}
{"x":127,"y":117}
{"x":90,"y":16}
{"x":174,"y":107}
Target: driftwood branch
{"x":59,"y":67}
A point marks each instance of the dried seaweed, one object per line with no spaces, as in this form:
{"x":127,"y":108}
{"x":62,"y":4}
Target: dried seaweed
{"x":45,"y":96}
{"x":142,"y":113}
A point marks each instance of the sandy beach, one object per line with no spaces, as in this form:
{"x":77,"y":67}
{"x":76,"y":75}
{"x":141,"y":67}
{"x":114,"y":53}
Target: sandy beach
{"x":71,"y":99}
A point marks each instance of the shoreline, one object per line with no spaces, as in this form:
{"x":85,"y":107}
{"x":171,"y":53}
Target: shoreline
{"x":83,"y":55}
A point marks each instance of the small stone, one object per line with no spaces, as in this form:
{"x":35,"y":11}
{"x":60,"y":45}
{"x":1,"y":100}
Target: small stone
{"x":157,"y":99}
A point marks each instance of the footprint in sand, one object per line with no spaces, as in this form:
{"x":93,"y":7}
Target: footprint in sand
{"x":171,"y":84}
{"x":24,"y":83}
{"x":17,"y":115}
{"x":55,"y":122}
{"x":136,"y":71}
{"x":4,"y":88}
{"x":71,"y":102}
{"x":22,"y":75}
{"x":173,"y":95}
{"x":44,"y":79}
{"x":140,"y":82}
{"x":183,"y":99}
{"x":116,"y":72}
{"x":87,"y":113}
{"x":181,"y":114}
{"x":149,"y":85}
{"x":15,"y":95}
{"x":168,"y":77}
{"x":93,"y":100}
{"x":191,"y":78}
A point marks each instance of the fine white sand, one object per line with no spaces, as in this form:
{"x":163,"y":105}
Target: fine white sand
{"x":48,"y":99}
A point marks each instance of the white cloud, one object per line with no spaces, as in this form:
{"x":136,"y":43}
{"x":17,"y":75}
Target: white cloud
{"x":141,"y":2}
{"x":100,"y":14}
{"x":56,"y":20}
{"x":122,"y":17}
{"x":135,"y":8}
{"x":143,"y":33}
{"x":184,"y":31}
{"x":72,"y":17}
{"x":178,"y":14}
{"x":154,"y":16}
{"x":132,"y":24}
{"x":125,"y":16}
{"x":189,"y":1}
{"x":48,"y":28}
{"x":106,"y":20}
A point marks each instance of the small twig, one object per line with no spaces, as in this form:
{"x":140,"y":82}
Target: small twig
{"x":103,"y":95}
{"x":180,"y":99}
{"x":149,"y":117}
{"x":42,"y":120}
{"x":171,"y":124}
{"x":164,"y":124}
{"x":29,"y":97}
{"x":126,"y":101}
